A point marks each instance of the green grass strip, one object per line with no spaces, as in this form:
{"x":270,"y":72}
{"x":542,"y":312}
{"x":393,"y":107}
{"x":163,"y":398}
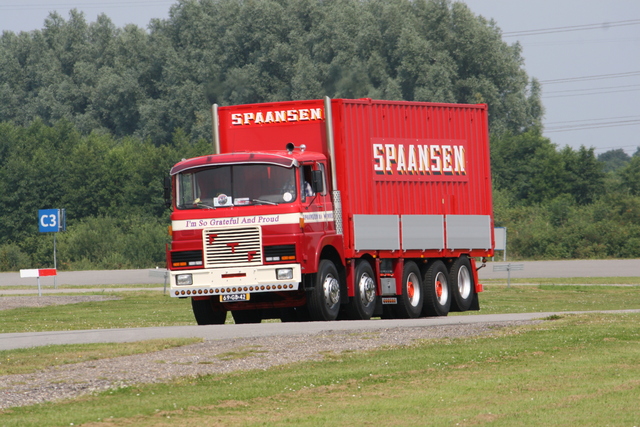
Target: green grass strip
{"x":574,"y":370}
{"x":132,"y":310}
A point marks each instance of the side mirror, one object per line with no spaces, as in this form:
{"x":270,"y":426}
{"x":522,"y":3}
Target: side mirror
{"x":167,"y":191}
{"x":317,"y":181}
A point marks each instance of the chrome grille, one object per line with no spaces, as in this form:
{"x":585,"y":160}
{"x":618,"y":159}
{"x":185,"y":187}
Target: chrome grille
{"x":232,"y":247}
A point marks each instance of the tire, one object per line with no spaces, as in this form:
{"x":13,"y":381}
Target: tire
{"x":412,"y":299}
{"x":437,"y":292}
{"x":246,"y":316}
{"x":205,"y":314}
{"x":363,"y":303}
{"x":462,"y":285}
{"x":324,"y":300}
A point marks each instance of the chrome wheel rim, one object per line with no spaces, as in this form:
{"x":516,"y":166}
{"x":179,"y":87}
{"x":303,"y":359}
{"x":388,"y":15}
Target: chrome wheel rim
{"x":331,"y":290}
{"x":413,"y":289}
{"x":464,"y":282}
{"x":367,"y":289}
{"x":442,"y":290}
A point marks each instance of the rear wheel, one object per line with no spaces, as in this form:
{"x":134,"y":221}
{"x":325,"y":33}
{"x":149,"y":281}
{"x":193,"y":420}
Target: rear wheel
{"x":363,"y":303}
{"x":412,"y":298}
{"x":437,"y":295}
{"x":324,"y":299}
{"x":246,"y":316}
{"x":206,"y":314}
{"x":462,"y":284}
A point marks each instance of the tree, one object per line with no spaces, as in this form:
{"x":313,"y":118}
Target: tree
{"x":614,"y":159}
{"x":630,"y":176}
{"x":584,"y":175}
{"x":528,"y":166}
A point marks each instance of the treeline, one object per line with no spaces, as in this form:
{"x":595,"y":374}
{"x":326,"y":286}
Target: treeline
{"x":132,"y":82}
{"x":112,"y":190}
{"x":93,"y":116}
{"x":564,"y":203}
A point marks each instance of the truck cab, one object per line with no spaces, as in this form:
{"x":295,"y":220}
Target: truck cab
{"x":245,"y":228}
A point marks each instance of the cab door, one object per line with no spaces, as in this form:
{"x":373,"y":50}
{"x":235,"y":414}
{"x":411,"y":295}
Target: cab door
{"x":316,"y":210}
{"x":317,"y":207}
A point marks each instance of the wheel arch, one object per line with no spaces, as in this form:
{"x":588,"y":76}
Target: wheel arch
{"x":329,"y":252}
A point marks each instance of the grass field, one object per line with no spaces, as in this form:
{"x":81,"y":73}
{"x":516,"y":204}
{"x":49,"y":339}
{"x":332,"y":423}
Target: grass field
{"x":133,"y":309}
{"x":152,"y":308}
{"x":569,"y":370}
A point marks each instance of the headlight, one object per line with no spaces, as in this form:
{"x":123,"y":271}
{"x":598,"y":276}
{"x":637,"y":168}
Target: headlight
{"x":184,"y":280}
{"x":284,"y":273}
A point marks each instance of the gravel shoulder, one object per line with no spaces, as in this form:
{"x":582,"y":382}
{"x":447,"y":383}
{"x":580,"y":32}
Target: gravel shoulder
{"x":209,"y":357}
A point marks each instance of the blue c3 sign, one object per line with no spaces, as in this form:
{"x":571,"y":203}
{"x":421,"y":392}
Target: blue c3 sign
{"x":51,"y":220}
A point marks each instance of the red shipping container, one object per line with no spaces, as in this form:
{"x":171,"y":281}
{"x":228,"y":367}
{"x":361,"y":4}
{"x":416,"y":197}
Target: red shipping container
{"x":412,"y":176}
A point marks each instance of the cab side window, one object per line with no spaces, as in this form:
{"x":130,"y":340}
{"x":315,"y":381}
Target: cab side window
{"x":324,"y":179}
{"x":307,"y":182}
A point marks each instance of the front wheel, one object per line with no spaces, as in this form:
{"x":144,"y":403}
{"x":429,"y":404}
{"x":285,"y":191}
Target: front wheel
{"x":324,"y":299}
{"x":363,"y":303}
{"x":437,"y":295}
{"x":206,"y":314}
{"x":412,"y":298}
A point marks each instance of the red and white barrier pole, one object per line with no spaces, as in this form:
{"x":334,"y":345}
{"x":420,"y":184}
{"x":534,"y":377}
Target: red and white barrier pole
{"x":38,"y":272}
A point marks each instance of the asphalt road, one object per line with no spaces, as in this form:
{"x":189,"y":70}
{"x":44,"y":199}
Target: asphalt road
{"x":216,"y":332}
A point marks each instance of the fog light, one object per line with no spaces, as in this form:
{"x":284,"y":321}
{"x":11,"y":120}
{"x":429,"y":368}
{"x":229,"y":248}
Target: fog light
{"x":284,"y":273}
{"x":184,"y":280}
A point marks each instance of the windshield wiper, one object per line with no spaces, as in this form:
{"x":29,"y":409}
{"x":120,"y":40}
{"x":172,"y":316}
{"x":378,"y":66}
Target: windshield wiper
{"x":204,"y":205}
{"x":199,"y":203}
{"x":266,"y":202}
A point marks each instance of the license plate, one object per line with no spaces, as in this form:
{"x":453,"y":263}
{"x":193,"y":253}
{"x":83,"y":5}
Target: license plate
{"x":234,"y":297}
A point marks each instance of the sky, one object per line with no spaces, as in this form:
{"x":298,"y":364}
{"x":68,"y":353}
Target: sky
{"x":586,"y":56}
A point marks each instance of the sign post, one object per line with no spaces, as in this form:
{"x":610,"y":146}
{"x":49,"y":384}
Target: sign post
{"x":52,"y":221}
{"x":39,"y":273}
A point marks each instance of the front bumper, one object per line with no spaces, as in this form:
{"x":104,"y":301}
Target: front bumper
{"x":222,"y":281}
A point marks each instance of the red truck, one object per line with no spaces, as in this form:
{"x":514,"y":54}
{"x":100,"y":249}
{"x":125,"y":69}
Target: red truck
{"x":334,"y":208}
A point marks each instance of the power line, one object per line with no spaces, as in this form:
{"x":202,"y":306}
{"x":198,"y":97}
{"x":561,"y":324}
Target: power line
{"x":587,"y":78}
{"x":592,"y":120}
{"x":606,"y":92}
{"x":602,"y":25}
{"x":634,"y":120}
{"x":601,"y":125}
{"x":580,"y":42}
{"x":593,"y":88}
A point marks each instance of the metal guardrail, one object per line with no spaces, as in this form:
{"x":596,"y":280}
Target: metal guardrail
{"x":508,"y":268}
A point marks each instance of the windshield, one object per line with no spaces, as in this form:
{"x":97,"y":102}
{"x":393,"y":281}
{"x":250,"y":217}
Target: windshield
{"x":236,"y":185}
